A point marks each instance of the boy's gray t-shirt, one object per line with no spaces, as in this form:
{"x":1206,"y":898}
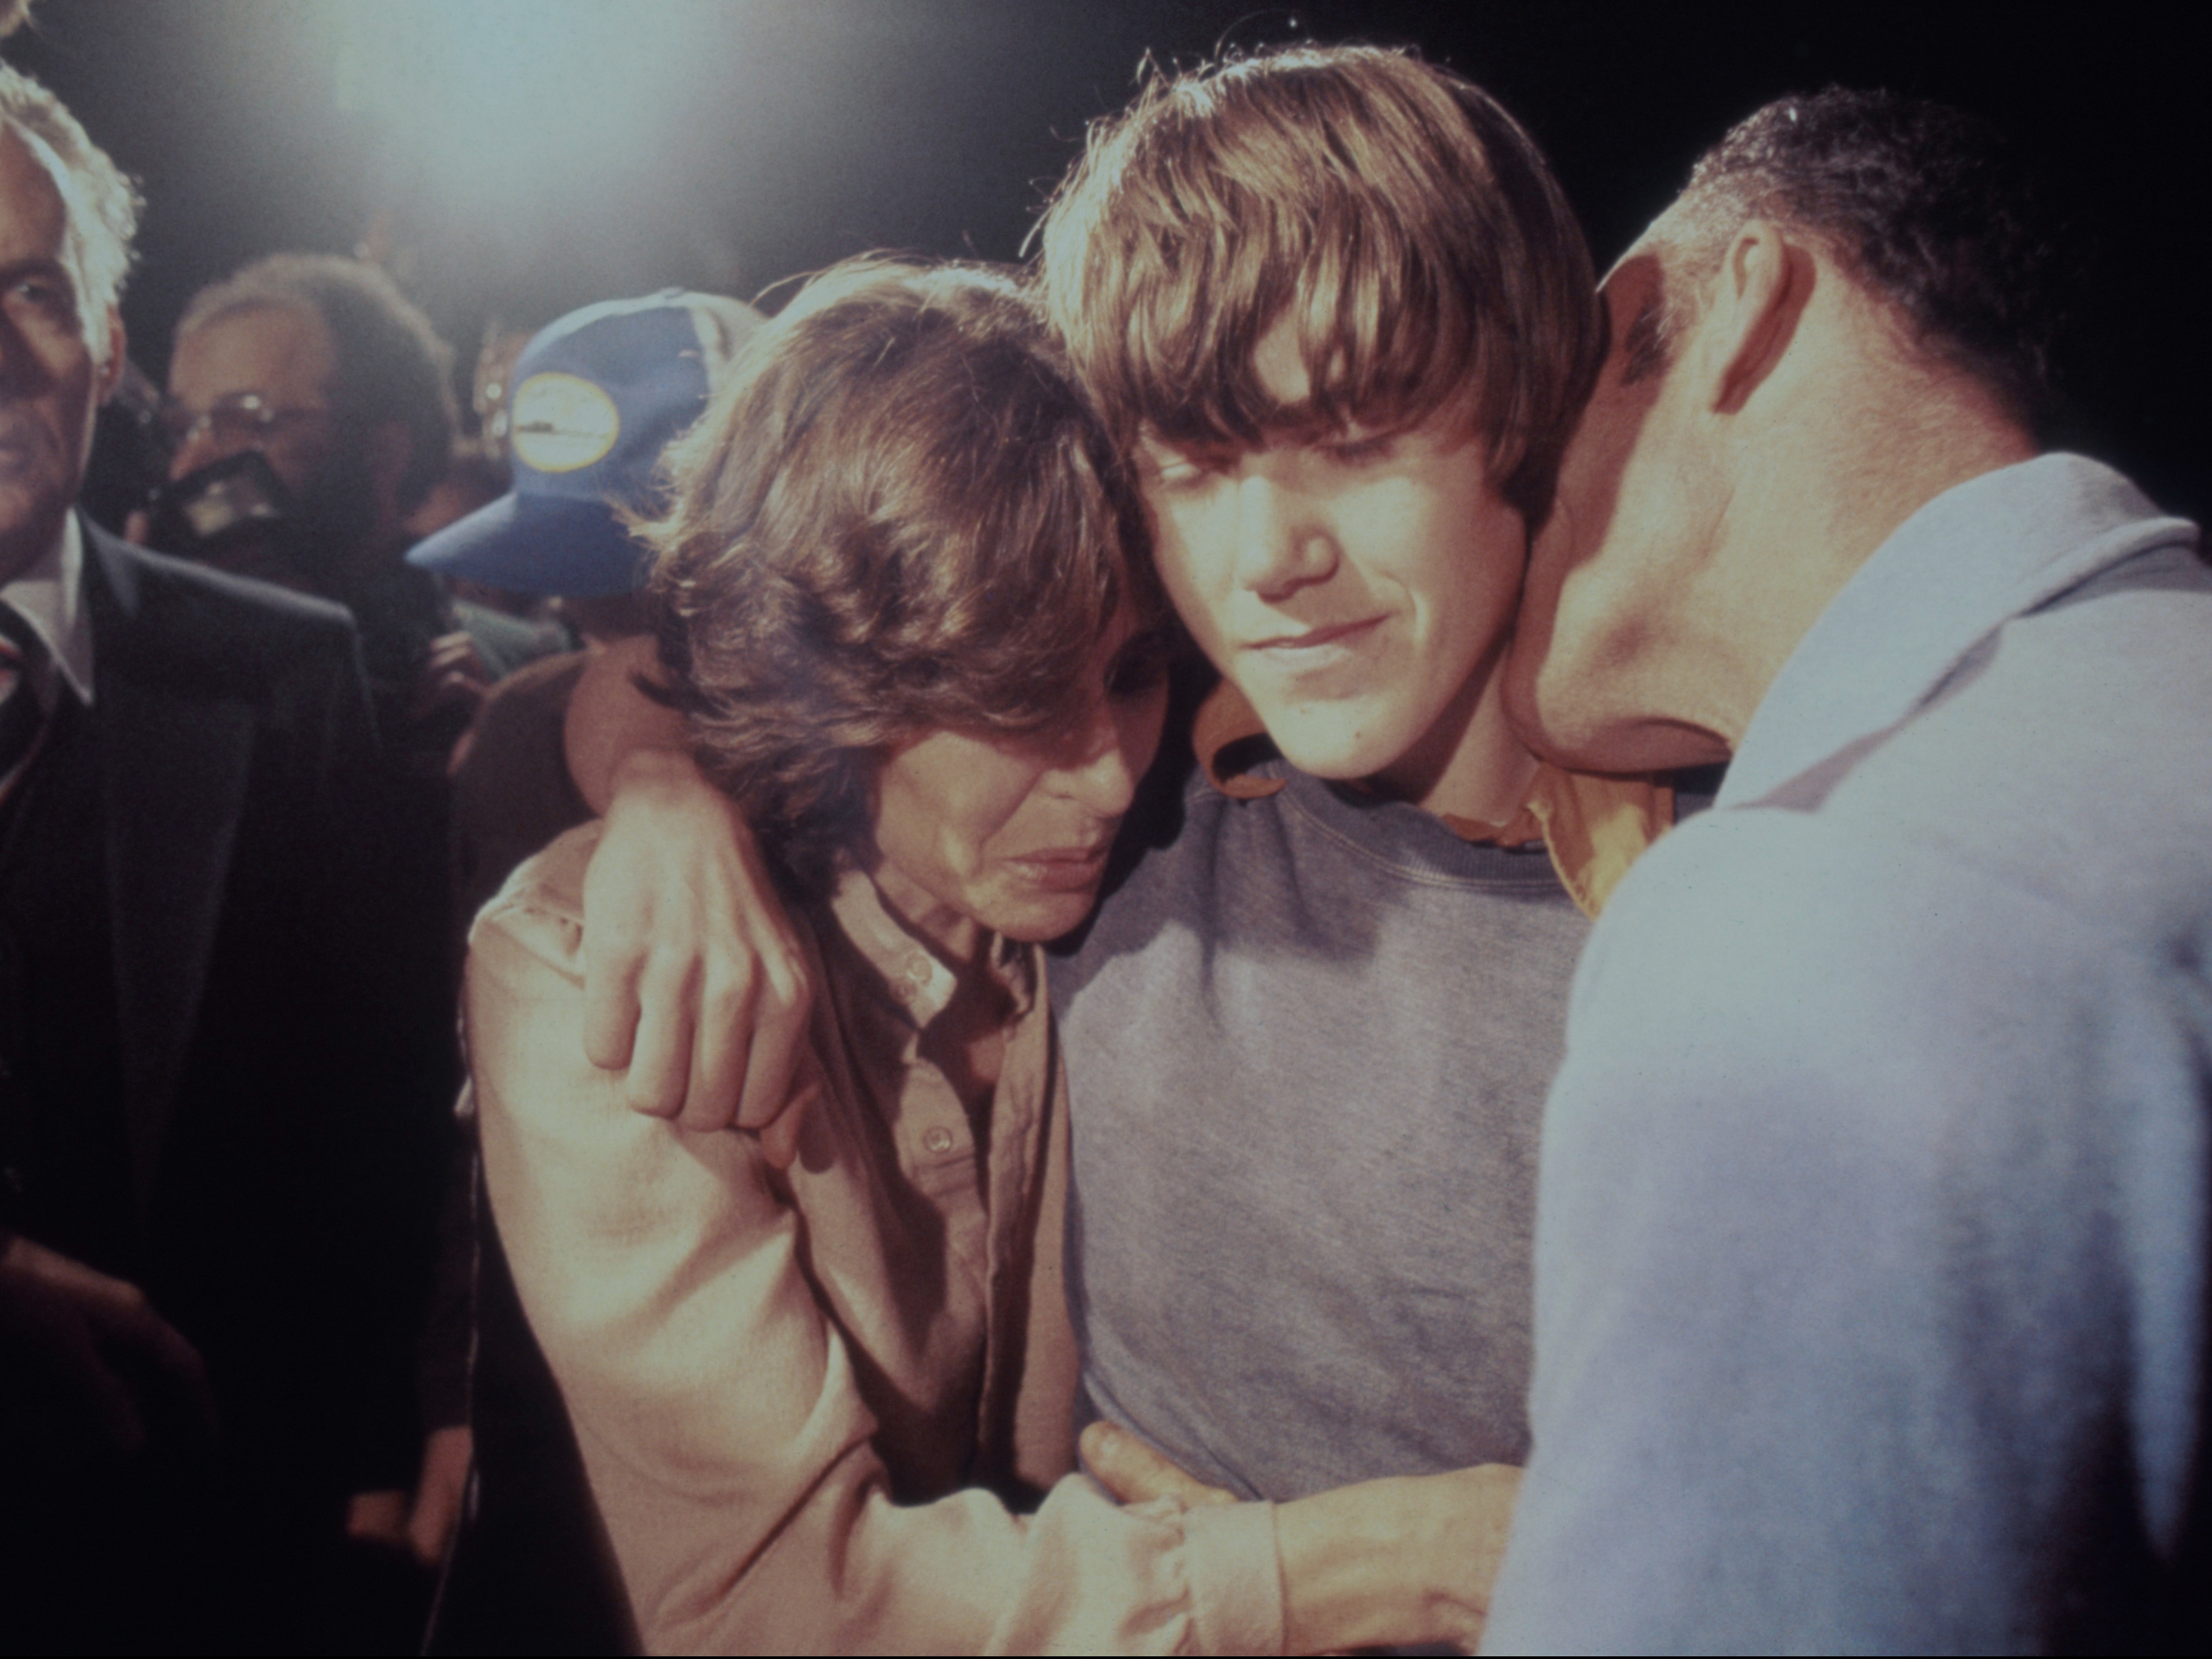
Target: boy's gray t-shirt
{"x":1307,"y":1042}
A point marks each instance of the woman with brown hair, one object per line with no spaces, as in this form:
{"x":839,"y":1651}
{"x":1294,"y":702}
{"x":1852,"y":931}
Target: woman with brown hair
{"x":906,"y":609}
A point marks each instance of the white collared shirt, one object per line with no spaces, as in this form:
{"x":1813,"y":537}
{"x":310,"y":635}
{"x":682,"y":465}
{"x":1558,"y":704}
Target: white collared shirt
{"x":50,"y":597}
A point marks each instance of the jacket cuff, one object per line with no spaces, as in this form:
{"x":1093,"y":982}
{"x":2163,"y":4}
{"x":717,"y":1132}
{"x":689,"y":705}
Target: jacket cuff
{"x":1236,"y":1577}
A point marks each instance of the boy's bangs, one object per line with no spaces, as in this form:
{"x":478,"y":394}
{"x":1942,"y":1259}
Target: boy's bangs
{"x":1399,"y":219}
{"x":1382,"y":344}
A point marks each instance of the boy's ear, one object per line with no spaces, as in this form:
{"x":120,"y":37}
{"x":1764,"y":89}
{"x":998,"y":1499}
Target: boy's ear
{"x":1751,"y":313}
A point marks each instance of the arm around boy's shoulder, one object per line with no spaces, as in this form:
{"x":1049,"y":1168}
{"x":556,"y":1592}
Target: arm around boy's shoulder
{"x":672,"y":1286}
{"x":660,"y":1270}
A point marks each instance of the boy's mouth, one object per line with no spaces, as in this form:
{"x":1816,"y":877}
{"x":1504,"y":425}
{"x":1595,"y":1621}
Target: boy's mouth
{"x":1304,"y":650}
{"x":1308,"y":637}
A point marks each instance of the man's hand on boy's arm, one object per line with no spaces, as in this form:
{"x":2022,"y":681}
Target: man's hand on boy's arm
{"x":1382,"y":1563}
{"x":695,"y":981}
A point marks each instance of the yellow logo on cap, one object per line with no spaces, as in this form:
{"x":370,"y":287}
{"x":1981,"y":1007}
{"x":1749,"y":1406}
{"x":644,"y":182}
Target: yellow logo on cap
{"x":563,"y":423}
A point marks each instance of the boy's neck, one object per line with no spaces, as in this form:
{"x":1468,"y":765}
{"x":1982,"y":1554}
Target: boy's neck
{"x":1470,"y":764}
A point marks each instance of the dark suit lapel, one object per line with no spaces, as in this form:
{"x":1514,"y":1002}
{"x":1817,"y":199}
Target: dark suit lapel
{"x":175,"y":758}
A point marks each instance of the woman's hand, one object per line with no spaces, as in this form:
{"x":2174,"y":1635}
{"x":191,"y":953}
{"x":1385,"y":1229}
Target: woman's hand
{"x":695,"y":981}
{"x":1396,"y":1561}
{"x":1392,"y":1562}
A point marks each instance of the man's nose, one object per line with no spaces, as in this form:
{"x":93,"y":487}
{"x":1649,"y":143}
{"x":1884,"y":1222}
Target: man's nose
{"x":1282,"y":542}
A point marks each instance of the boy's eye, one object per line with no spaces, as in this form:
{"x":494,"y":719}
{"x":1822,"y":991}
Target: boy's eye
{"x":1171,"y":467}
{"x":1356,"y":449}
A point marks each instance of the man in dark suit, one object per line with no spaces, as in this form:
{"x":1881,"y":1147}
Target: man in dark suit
{"x":221,"y":1084}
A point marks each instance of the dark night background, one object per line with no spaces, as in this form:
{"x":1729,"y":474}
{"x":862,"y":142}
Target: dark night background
{"x":727,"y":146}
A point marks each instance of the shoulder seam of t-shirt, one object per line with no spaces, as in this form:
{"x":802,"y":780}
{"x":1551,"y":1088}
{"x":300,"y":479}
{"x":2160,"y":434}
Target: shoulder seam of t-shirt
{"x":1542,"y":880}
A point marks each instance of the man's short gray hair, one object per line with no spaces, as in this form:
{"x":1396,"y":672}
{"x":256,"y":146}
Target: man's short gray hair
{"x":100,"y":205}
{"x":1929,"y":208}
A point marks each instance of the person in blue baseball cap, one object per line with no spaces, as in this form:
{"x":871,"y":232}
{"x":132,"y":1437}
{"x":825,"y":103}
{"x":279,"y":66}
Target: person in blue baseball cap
{"x":597,"y":396}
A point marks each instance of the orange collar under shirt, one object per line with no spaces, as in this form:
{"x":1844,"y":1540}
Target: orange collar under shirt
{"x":1594,"y":827}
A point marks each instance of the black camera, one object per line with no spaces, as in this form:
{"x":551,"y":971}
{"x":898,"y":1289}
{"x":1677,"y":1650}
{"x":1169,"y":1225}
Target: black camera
{"x":233,"y":514}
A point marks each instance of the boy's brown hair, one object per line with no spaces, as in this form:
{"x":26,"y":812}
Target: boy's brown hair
{"x":1392,"y":209}
{"x":900,"y":514}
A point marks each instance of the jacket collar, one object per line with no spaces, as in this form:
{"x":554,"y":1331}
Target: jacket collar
{"x":1966,"y":563}
{"x":50,"y":597}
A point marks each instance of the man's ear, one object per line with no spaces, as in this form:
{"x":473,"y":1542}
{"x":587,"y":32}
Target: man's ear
{"x":117,"y":354}
{"x":1752,"y":313}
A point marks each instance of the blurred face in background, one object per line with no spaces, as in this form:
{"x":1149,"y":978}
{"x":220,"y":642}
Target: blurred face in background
{"x":258,"y":379}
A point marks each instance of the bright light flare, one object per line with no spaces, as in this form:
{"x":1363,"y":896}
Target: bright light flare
{"x":492,"y":106}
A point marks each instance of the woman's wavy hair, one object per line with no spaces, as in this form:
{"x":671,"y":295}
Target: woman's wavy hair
{"x":899,"y":514}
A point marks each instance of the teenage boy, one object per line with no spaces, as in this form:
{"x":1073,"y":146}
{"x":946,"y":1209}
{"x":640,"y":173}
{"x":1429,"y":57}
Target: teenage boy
{"x":1336,"y":306}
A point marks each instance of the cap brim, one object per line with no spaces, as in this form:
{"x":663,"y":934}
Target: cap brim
{"x":574,"y":548}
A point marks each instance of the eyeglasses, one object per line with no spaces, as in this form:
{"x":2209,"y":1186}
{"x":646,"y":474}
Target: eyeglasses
{"x":240,"y":420}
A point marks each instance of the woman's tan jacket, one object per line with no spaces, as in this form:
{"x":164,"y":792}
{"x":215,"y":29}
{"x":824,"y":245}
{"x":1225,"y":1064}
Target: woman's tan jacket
{"x":800,"y":1394}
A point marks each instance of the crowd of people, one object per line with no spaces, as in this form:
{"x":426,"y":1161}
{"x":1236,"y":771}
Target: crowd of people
{"x":1294,"y":932}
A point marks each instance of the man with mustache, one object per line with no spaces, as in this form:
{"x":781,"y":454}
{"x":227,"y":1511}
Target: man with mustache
{"x":319,"y":365}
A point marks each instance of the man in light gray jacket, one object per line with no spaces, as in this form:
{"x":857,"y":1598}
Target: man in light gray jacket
{"x":1870,"y":1308}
